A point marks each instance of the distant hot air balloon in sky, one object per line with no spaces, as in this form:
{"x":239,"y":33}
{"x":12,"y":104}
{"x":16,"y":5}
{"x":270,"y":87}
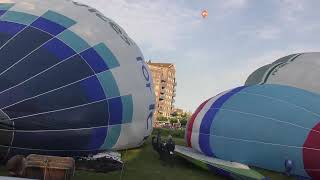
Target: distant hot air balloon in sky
{"x":204,"y":13}
{"x":71,"y":81}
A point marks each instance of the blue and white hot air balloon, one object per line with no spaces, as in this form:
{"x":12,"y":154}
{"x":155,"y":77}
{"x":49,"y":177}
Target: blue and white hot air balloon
{"x":71,"y":81}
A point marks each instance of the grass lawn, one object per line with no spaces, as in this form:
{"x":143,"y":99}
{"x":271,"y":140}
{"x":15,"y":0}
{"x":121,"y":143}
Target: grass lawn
{"x":143,"y":164}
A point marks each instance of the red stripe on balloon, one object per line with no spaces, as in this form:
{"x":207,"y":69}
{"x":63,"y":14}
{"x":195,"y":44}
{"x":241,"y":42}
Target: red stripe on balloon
{"x":191,"y":121}
{"x":311,"y":153}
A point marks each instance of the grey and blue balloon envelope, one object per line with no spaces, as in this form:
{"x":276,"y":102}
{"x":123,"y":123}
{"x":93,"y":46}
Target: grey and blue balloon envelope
{"x":71,"y":81}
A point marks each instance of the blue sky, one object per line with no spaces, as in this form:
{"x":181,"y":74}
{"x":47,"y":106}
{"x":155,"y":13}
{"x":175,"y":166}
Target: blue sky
{"x":217,"y":53}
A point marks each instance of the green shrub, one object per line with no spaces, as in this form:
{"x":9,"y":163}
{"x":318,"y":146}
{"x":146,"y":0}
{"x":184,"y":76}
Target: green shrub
{"x":173,"y":120}
{"x":162,"y":118}
{"x":176,"y":133}
{"x":183,"y":122}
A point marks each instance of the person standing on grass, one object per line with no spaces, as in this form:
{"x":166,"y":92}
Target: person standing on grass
{"x":159,"y":146}
{"x":159,"y":140}
{"x":154,"y":143}
{"x":170,"y":146}
{"x":163,"y":153}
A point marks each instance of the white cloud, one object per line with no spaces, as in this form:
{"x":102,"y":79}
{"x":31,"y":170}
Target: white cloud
{"x":264,"y":32}
{"x":291,"y":9}
{"x":268,"y":32}
{"x":155,"y":25}
{"x":234,"y":4}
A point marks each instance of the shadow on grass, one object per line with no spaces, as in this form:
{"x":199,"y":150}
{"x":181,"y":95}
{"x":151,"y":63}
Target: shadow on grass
{"x":144,"y":164}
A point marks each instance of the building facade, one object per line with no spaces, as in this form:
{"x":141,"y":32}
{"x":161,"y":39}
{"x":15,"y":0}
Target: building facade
{"x":164,"y":80}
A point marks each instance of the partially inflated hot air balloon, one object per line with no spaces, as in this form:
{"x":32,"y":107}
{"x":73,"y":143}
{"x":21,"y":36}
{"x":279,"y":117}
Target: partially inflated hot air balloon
{"x":71,"y":81}
{"x":204,"y":13}
{"x":297,"y":70}
{"x":264,"y":126}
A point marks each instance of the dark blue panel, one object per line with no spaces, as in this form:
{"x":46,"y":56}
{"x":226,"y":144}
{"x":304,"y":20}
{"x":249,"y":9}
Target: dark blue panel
{"x":48,"y":26}
{"x":59,"y":49}
{"x":98,"y":136}
{"x":35,"y":63}
{"x":204,"y":135}
{"x":92,"y":115}
{"x":94,"y":60}
{"x":204,"y":143}
{"x":4,"y":38}
{"x":115,"y":110}
{"x":152,"y":106}
{"x":21,"y":45}
{"x":2,"y":12}
{"x":62,"y":140}
{"x":66,"y":97}
{"x":54,"y":78}
{"x":12,"y":96}
{"x":10,"y":28}
{"x":93,"y":89}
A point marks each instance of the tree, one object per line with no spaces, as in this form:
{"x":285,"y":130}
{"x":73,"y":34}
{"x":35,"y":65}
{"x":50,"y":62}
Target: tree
{"x":183,"y":122}
{"x":173,"y":120}
{"x":185,"y":117}
{"x":162,"y":118}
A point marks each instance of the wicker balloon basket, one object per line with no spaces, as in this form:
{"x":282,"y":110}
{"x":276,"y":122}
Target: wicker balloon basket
{"x":49,"y":167}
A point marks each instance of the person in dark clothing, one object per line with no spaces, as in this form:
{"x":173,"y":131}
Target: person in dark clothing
{"x":170,"y":146}
{"x":159,"y":140}
{"x":154,"y":144}
{"x":288,"y":164}
{"x":165,"y":150}
{"x":159,"y":146}
{"x":162,"y":153}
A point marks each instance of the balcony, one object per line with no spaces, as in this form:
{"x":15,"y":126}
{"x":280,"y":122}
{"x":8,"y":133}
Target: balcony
{"x":162,"y":91}
{"x":161,"y":98}
{"x":174,"y":94}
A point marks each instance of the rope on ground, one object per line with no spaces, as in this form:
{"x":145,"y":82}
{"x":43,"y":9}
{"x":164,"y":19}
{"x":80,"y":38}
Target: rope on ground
{"x":123,"y":164}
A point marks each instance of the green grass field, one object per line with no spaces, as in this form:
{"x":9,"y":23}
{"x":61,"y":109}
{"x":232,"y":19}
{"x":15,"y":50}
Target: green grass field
{"x":144,"y":164}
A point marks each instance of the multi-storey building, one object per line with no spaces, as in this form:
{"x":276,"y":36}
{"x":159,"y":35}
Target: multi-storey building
{"x":164,"y":81}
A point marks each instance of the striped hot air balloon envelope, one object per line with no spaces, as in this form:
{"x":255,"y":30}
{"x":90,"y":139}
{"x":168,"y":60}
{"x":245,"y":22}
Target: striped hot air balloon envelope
{"x":262,"y":126}
{"x":297,"y":70}
{"x":71,"y":81}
